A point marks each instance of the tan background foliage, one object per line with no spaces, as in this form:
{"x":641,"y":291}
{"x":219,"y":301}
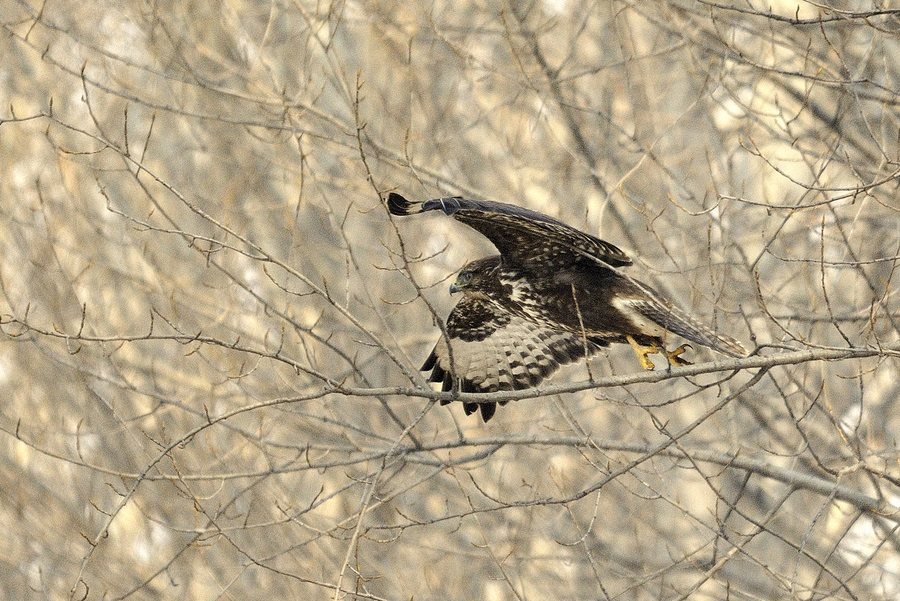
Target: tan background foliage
{"x":212,"y":326}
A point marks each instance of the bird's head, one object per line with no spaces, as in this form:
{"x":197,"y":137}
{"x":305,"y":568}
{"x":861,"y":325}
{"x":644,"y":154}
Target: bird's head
{"x":478,"y":278}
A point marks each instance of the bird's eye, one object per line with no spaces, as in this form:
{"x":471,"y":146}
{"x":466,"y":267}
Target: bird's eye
{"x":464,"y":277}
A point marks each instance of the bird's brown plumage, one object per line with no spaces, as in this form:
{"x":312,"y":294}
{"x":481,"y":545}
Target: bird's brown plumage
{"x":554,"y":295}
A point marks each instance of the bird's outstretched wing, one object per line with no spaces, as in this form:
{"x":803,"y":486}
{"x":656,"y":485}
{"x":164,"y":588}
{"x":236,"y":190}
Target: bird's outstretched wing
{"x":496,"y":350}
{"x":523,"y":237}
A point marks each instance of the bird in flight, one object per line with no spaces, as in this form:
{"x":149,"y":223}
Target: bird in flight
{"x":552,"y":296}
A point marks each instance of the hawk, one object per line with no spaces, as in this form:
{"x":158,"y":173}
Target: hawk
{"x":552,"y":296}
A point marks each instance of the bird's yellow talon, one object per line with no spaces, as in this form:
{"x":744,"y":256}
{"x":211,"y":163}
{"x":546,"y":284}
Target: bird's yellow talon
{"x":641,"y":353}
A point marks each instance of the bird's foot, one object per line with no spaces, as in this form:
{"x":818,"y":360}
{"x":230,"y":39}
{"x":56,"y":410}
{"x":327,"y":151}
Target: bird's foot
{"x":674,"y":356}
{"x":641,"y":353}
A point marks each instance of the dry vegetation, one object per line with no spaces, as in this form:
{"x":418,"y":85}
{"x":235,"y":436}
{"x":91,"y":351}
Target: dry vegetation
{"x":211,"y":327}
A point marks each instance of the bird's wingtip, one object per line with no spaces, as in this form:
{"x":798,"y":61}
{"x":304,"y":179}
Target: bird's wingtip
{"x":398,"y":205}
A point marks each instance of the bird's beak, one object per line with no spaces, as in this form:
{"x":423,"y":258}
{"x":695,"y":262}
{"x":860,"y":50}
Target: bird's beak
{"x":454,"y":288}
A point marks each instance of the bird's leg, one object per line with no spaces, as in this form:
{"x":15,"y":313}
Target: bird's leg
{"x":674,"y":356}
{"x":641,"y":353}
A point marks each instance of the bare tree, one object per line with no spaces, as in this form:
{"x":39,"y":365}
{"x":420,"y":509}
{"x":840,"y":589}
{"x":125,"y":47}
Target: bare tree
{"x":212,"y":327}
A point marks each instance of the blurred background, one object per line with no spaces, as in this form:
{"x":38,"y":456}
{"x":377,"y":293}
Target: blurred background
{"x":206,"y":308}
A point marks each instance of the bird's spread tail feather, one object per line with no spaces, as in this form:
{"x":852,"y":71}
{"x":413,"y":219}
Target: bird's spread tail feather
{"x":684,"y":325}
{"x":678,"y":322}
